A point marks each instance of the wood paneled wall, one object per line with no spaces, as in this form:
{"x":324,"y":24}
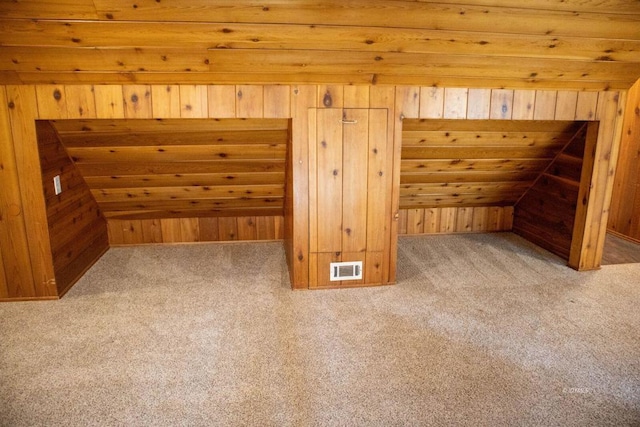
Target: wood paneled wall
{"x":455,"y":220}
{"x":625,"y":205}
{"x":24,"y":232}
{"x":191,"y":230}
{"x":24,"y":236}
{"x":595,"y":189}
{"x":546,"y":213}
{"x":77,"y":228}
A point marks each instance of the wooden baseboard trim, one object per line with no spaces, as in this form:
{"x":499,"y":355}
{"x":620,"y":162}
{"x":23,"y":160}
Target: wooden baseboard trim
{"x":82,"y":272}
{"x":225,"y":242}
{"x":451,"y":233}
{"x":27,"y":299}
{"x":623,"y":236}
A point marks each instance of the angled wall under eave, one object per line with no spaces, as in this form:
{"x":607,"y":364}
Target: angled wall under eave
{"x":545,"y":213}
{"x":77,"y":228}
{"x":183,"y":180}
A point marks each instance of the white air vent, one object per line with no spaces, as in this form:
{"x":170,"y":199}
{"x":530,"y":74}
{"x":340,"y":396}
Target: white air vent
{"x":346,"y":271}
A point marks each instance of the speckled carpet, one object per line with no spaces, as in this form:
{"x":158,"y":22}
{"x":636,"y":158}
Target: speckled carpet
{"x":480,"y":330}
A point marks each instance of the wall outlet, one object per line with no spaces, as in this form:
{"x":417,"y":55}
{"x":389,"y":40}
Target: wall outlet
{"x":57,"y":186}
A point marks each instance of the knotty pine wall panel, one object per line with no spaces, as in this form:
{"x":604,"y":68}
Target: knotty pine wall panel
{"x":24,"y":104}
{"x":455,"y":220}
{"x":625,"y":205}
{"x":191,"y":230}
{"x":546,"y":213}
{"x":16,"y":260}
{"x":595,"y":190}
{"x":77,"y":229}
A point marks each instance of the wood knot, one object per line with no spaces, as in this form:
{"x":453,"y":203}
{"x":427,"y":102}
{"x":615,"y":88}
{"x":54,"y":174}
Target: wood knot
{"x":134,"y":98}
{"x":12,"y":105}
{"x":57,"y":95}
{"x":348,"y":231}
{"x":335,"y":172}
{"x":326,"y":100}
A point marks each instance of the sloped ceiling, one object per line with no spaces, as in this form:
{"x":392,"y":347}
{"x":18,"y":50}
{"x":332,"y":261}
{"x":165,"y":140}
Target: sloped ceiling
{"x":466,"y":163}
{"x":138,"y":169}
{"x":577,"y":44}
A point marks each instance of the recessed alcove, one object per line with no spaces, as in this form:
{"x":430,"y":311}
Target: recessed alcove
{"x":142,"y":181}
{"x":523,"y":176}
{"x":119,"y":191}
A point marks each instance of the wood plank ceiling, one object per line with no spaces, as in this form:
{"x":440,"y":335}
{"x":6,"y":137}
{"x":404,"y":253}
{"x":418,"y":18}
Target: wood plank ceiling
{"x":139,"y":169}
{"x":577,"y":44}
{"x":466,"y":163}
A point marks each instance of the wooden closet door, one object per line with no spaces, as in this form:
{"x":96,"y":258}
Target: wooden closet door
{"x":329,"y":180}
{"x":350,"y":207}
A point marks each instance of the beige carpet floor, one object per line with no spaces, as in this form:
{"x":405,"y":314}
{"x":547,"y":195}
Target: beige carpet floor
{"x":481,"y":330}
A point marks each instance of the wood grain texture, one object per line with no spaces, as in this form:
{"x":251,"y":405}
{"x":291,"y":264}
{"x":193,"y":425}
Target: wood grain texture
{"x":13,"y":234}
{"x":77,"y":230}
{"x":137,"y":101}
{"x":329,"y":143}
{"x":109,"y":101}
{"x":624,"y":215}
{"x":293,"y":169}
{"x":22,"y":117}
{"x":481,"y":44}
{"x":179,"y":166}
{"x":191,"y":230}
{"x":476,"y":162}
{"x":249,"y":101}
{"x":350,"y":211}
{"x":501,"y":104}
{"x":384,"y":98}
{"x":165,"y":101}
{"x":222,"y":101}
{"x":591,"y":223}
{"x":355,"y":165}
{"x":546,"y":213}
{"x":297,"y":219}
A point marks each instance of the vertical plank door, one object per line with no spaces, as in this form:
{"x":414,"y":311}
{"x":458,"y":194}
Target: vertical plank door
{"x":350,"y":215}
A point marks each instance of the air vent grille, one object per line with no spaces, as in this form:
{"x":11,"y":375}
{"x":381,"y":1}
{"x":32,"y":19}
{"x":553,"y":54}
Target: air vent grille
{"x":346,"y":271}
